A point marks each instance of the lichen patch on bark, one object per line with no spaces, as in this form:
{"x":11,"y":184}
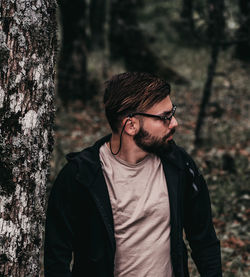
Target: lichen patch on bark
{"x":29,"y":121}
{"x":16,"y":101}
{"x":1,"y":97}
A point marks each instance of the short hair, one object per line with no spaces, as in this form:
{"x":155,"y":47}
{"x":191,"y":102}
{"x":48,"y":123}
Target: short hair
{"x":130,"y":92}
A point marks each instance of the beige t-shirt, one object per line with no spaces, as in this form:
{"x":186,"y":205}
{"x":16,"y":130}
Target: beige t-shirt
{"x":141,"y":213}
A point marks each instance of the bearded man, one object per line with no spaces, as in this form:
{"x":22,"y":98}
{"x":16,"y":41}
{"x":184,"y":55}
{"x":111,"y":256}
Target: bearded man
{"x":120,"y":206}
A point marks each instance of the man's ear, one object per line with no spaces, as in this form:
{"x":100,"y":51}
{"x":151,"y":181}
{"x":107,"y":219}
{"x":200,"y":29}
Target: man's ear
{"x":132,"y":125}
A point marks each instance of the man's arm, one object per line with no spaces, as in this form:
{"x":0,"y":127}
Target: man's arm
{"x":199,"y":227}
{"x":58,"y":230}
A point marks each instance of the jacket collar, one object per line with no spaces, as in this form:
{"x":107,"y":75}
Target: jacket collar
{"x":91,"y":176}
{"x":91,"y":155}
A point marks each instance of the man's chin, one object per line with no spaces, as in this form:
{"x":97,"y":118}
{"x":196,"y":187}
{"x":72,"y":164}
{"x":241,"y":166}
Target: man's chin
{"x":153,"y":145}
{"x":158,"y":149}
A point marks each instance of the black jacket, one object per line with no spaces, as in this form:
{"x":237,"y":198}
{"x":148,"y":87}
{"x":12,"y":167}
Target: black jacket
{"x":79,"y":218}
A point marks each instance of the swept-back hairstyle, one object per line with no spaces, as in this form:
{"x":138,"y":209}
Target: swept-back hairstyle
{"x":132,"y":92}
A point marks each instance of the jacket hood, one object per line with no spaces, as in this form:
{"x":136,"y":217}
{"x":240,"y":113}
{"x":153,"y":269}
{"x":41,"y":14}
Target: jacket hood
{"x":87,"y":161}
{"x":87,"y":152}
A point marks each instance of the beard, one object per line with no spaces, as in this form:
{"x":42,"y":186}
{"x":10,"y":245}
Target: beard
{"x":153,"y":144}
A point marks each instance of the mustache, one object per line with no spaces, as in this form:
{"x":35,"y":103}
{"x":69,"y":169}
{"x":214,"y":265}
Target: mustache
{"x":169,"y":134}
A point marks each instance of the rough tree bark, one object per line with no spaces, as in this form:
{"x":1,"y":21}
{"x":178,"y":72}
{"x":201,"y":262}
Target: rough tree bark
{"x":27,"y":51}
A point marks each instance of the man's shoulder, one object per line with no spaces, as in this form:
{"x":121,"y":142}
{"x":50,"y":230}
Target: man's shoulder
{"x":84,"y":165}
{"x":180,"y":157}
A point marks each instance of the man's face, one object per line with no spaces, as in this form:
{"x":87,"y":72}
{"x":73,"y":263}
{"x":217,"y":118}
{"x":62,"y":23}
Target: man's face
{"x":155,"y":135}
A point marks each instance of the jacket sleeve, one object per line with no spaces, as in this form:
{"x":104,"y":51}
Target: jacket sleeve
{"x":199,"y":227}
{"x":58,"y":229}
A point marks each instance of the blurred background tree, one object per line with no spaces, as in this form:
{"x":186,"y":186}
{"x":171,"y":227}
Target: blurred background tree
{"x":72,"y":71}
{"x":243,"y":33}
{"x":214,"y":37}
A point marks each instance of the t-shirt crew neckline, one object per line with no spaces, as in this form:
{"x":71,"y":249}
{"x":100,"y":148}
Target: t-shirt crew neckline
{"x":121,"y":161}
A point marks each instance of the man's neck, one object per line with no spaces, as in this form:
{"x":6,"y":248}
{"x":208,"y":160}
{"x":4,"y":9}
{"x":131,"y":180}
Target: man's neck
{"x":129,"y":151}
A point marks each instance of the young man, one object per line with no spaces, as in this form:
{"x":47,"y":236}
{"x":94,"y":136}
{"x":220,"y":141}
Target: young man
{"x":121,"y":205}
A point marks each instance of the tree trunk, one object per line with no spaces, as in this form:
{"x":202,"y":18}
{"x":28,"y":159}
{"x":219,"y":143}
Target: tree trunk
{"x":27,"y":51}
{"x":242,"y":50}
{"x":215,"y":32}
{"x":206,"y":92}
{"x":187,"y":12}
{"x":127,"y":41}
{"x":97,"y":23}
{"x":216,"y":22}
{"x":72,"y":71}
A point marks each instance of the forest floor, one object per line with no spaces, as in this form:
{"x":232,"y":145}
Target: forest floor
{"x":223,"y":159}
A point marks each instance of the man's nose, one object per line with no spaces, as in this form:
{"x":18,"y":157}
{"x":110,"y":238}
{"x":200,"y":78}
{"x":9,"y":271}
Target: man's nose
{"x":173,"y":123}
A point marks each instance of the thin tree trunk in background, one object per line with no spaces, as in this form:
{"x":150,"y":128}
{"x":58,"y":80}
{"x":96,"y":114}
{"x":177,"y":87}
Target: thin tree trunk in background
{"x":106,"y":63}
{"x":127,"y":40}
{"x":27,"y":51}
{"x":187,"y":12}
{"x":215,"y":33}
{"x":72,"y":71}
{"x":207,"y":91}
{"x":242,"y":50}
{"x":129,"y":43}
{"x":97,"y":22}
